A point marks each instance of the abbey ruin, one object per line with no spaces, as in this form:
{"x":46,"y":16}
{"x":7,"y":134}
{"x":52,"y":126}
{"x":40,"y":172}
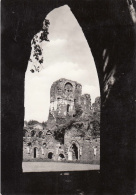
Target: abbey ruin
{"x":72,"y":131}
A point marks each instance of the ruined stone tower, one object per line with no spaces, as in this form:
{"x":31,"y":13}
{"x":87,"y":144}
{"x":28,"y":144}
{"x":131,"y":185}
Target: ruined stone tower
{"x":67,"y":101}
{"x":64,"y":94}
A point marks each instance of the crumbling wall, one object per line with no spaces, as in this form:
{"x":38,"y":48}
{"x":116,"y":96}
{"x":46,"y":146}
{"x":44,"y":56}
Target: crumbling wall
{"x":75,"y":121}
{"x":63,"y":95}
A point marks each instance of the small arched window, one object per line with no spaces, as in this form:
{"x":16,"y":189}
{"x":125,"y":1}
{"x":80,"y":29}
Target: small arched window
{"x":44,"y":144}
{"x":40,"y":134}
{"x":50,"y":155}
{"x":35,"y":152}
{"x":68,"y":88}
{"x":68,"y":107}
{"x":33,"y":133}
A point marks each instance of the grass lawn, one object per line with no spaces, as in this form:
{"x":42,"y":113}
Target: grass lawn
{"x":57,"y":166}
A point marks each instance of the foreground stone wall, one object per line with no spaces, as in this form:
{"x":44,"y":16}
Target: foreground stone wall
{"x":48,"y":148}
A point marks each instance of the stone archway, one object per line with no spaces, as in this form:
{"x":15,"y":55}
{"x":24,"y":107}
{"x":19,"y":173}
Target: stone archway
{"x":112,"y":31}
{"x":50,"y":155}
{"x":73,"y":151}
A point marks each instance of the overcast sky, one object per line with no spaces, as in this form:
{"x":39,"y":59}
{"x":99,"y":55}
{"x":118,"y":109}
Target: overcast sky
{"x":67,"y":55}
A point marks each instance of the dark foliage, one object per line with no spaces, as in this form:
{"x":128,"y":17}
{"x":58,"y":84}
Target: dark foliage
{"x":32,"y":122}
{"x":44,"y":124}
{"x":36,"y":45}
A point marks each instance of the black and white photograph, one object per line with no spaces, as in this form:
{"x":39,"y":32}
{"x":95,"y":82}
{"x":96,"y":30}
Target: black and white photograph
{"x":68,"y":83}
{"x":62,"y":99}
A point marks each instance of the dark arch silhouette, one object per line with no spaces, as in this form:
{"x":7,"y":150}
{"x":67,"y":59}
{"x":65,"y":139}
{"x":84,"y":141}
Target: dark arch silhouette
{"x":50,"y":155}
{"x":35,"y":152}
{"x":62,"y":156}
{"x":44,"y":144}
{"x":68,"y":83}
{"x":40,"y":134}
{"x":68,"y":107}
{"x":75,"y":151}
{"x":68,"y":88}
{"x":33,"y":132}
{"x":110,"y":31}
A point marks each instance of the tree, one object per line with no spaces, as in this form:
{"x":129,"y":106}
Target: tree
{"x":32,"y":122}
{"x":37,"y":57}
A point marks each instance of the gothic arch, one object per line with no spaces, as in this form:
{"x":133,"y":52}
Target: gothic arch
{"x":72,"y":143}
{"x":50,"y":155}
{"x":40,"y":134}
{"x":68,"y":88}
{"x":111,"y":37}
{"x":33,"y":133}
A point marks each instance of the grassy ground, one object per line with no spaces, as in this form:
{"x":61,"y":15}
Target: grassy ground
{"x":56,"y":166}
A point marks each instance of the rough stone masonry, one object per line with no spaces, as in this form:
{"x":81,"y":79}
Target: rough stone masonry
{"x":72,"y":131}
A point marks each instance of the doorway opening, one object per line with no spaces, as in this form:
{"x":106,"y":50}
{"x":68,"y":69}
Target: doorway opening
{"x":68,"y":107}
{"x":35,"y":152}
{"x":75,"y":152}
{"x":50,"y":155}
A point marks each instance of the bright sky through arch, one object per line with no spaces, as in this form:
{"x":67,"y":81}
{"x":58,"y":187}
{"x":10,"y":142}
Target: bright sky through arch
{"x":67,"y":55}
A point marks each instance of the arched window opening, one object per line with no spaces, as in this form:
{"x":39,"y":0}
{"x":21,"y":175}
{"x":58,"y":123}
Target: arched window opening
{"x":75,"y":152}
{"x":40,"y":134}
{"x":33,"y":133}
{"x":44,"y":144}
{"x":50,"y":155}
{"x":68,"y":106}
{"x":68,"y":88}
{"x":35,"y":152}
{"x":61,"y":157}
